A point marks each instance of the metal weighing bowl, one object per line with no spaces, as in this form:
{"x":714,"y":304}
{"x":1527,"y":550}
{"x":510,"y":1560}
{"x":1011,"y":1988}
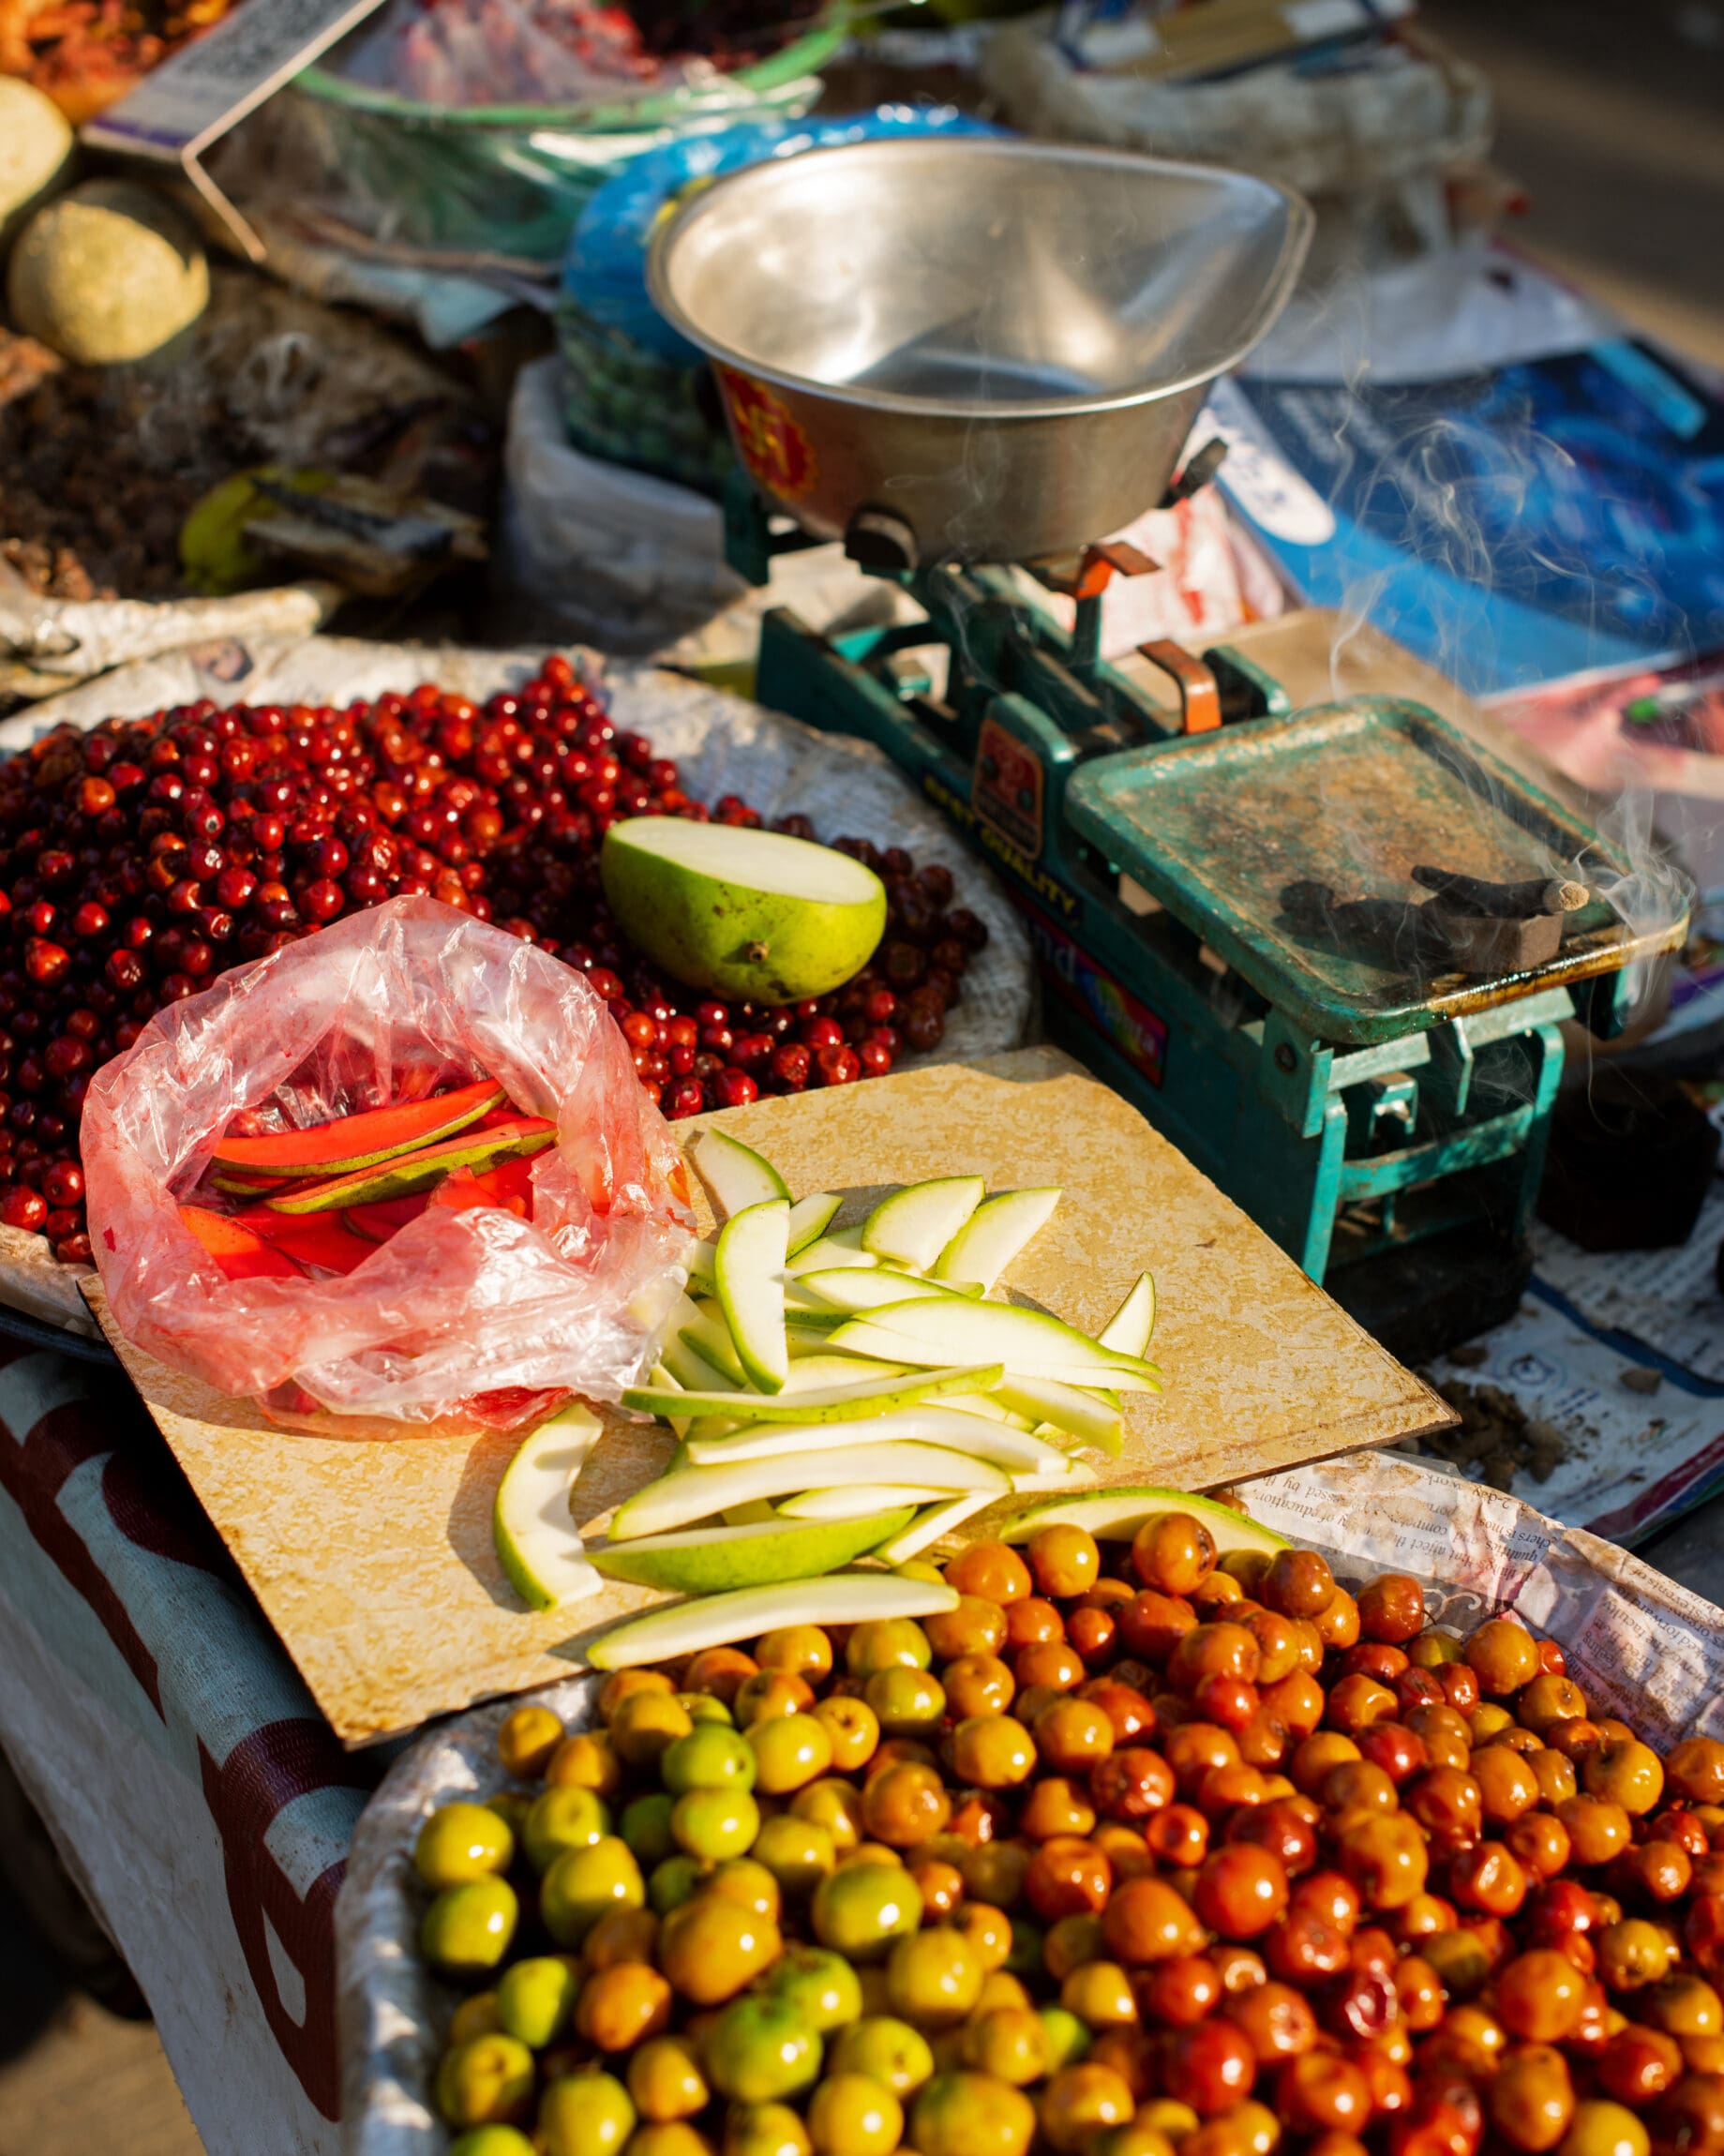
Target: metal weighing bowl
{"x":990,"y":350}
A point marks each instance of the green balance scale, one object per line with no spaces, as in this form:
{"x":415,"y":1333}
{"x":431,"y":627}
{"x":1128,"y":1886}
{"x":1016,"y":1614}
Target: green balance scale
{"x":1327,"y":953}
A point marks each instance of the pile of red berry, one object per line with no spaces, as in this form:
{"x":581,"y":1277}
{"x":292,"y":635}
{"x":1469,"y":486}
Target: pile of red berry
{"x":142,"y":859}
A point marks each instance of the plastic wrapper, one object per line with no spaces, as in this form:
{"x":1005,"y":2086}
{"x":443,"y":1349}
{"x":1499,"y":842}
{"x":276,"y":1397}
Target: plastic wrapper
{"x":588,"y":548}
{"x":633,"y":562}
{"x":509,"y":178}
{"x":1639,"y":1645}
{"x":1372,"y":139}
{"x":462,"y":1319}
{"x":544,"y":52}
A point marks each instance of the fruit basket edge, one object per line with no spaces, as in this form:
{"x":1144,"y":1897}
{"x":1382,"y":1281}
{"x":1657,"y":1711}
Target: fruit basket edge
{"x":1632,"y":1635}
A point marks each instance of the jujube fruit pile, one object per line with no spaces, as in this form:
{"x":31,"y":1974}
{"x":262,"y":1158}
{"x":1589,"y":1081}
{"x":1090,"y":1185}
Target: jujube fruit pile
{"x":142,"y":859}
{"x":1135,"y":1856}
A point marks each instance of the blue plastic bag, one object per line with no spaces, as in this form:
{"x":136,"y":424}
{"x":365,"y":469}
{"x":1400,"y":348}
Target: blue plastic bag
{"x":604,"y":272}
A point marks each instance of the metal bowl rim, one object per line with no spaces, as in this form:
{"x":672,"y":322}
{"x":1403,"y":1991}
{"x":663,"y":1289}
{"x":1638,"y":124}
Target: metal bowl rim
{"x":1301,"y":224}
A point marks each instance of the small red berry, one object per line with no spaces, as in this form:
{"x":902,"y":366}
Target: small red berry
{"x":23,"y":1208}
{"x":791,"y":1063}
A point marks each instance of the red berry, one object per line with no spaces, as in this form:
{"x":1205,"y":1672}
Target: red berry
{"x":324,"y":899}
{"x":63,"y":1185}
{"x":23,"y":1208}
{"x":66,"y":1055}
{"x":924,"y":1029}
{"x":45,"y":961}
{"x":791,"y":1063}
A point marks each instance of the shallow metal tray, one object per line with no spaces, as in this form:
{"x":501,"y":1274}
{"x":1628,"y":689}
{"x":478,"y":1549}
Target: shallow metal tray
{"x":1232,"y":831}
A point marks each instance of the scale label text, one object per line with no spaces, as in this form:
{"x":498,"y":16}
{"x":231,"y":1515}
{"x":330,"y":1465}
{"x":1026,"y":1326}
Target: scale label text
{"x":1134,"y":1028}
{"x":1048,"y":888}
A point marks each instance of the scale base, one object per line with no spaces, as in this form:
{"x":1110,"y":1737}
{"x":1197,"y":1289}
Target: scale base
{"x":1389,"y":1134}
{"x":1427,"y":1298}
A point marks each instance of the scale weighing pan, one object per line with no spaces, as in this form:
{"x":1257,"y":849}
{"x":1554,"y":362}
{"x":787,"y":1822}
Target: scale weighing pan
{"x":968,"y":349}
{"x":1288,"y":843}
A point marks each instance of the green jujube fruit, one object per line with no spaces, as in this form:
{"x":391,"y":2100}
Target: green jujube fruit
{"x":461,"y":1842}
{"x":468,"y":1928}
{"x":535,"y":2000}
{"x":586,"y":2114}
{"x":760,"y":2049}
{"x":820,"y":1988}
{"x":859,"y":1910}
{"x":492,"y":2141}
{"x":486,"y":2082}
{"x":561,"y":1820}
{"x":586,"y":1884}
{"x":645,"y":1826}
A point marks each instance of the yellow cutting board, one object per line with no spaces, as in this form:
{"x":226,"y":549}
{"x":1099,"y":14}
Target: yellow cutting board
{"x":374,"y":1562}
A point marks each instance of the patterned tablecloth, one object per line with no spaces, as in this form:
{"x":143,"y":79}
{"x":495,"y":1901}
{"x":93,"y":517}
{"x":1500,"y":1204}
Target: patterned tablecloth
{"x":196,"y":1795}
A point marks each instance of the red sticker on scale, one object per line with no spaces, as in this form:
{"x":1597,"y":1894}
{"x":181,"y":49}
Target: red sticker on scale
{"x":1006,"y":791}
{"x":768,"y":439}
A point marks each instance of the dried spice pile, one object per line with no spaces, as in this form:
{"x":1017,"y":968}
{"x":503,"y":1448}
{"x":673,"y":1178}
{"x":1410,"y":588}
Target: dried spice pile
{"x":101,"y":466}
{"x":78,"y":525}
{"x":87,"y":53}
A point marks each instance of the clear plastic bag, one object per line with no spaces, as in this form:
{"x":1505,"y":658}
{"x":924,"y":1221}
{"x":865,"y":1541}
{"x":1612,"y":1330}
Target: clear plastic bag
{"x":464,"y":1319}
